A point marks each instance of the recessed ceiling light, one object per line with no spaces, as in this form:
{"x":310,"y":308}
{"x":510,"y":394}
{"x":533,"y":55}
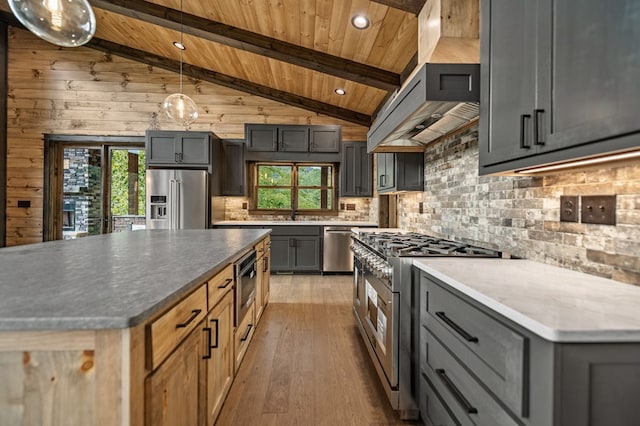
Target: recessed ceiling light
{"x":179,"y":45}
{"x":340,"y":91}
{"x":360,"y":22}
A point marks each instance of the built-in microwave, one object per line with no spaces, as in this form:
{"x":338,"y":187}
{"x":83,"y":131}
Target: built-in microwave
{"x":245,"y":271}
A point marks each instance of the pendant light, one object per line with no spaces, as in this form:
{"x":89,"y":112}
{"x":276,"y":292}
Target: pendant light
{"x":67,"y":23}
{"x":178,"y":107}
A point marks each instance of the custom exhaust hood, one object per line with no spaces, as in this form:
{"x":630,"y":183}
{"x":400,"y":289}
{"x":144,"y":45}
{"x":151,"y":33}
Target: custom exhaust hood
{"x":438,"y":100}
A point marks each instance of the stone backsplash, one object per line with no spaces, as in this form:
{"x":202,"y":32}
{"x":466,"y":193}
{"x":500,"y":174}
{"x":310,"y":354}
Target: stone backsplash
{"x":355,"y":209}
{"x":520,"y":215}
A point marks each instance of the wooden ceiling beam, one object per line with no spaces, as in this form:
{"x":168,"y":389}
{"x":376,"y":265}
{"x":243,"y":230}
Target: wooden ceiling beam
{"x":231,"y":82}
{"x":411,"y":6}
{"x":252,"y":42}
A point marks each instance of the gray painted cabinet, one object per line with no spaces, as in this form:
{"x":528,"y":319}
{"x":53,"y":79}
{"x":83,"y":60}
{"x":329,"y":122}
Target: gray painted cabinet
{"x":233,"y":168}
{"x":478,"y":367}
{"x":292,"y":138}
{"x":559,"y":81}
{"x":356,"y":174}
{"x":401,"y":171}
{"x":173,"y":148}
{"x":295,"y":248}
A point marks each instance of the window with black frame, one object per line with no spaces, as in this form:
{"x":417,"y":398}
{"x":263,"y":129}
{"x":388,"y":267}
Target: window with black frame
{"x":296,"y":188}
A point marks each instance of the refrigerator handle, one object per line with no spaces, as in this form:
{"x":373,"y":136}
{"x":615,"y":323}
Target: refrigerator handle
{"x":178,"y":203}
{"x":172,"y":194}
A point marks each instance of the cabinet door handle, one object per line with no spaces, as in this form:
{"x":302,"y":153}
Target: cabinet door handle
{"x":194,"y":314}
{"x":215,"y":345}
{"x":524,"y":144}
{"x":226,"y":283}
{"x":246,"y":335}
{"x":537,"y":120}
{"x":208,"y":354}
{"x":470,"y":409}
{"x":266,"y":264}
{"x":466,"y":336}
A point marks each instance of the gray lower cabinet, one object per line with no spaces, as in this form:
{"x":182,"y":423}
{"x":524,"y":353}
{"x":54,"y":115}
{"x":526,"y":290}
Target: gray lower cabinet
{"x":295,"y":248}
{"x":178,"y":148}
{"x":476,"y":367}
{"x":559,"y":81}
{"x":401,"y":171}
{"x":356,"y":170}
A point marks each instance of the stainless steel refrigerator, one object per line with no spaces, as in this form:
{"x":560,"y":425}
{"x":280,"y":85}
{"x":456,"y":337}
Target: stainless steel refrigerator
{"x":177,"y":199}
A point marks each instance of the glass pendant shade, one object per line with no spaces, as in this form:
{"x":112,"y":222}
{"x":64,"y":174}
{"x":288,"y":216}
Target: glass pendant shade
{"x":67,"y":23}
{"x":180,"y":109}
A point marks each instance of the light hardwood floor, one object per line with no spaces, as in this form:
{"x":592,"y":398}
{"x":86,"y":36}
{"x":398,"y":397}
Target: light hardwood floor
{"x":307,"y":364}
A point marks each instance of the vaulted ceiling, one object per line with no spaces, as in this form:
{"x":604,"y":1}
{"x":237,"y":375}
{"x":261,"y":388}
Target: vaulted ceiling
{"x":293,"y":51}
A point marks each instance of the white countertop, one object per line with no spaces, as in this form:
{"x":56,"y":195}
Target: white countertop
{"x":557,"y":304}
{"x":295,"y":222}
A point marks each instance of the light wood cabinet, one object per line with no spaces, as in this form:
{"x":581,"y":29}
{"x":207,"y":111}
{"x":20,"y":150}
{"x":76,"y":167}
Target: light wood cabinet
{"x":172,"y":392}
{"x":218,"y":355}
{"x":243,"y":335}
{"x":262,"y":279}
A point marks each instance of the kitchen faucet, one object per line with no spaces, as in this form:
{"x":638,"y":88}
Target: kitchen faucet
{"x":293,"y":214}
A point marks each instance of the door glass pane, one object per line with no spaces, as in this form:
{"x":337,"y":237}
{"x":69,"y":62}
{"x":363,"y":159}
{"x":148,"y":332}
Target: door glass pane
{"x":81,"y":192}
{"x":127,"y":201}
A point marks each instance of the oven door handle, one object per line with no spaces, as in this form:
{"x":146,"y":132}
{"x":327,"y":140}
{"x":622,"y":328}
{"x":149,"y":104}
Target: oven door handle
{"x":461,"y":331}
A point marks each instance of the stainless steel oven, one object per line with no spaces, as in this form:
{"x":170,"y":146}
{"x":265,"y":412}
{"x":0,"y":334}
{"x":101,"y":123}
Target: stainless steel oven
{"x":245,"y":271}
{"x":384,"y":303}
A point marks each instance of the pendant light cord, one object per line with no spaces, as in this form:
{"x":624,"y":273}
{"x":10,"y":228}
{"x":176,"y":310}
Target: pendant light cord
{"x":181,"y":31}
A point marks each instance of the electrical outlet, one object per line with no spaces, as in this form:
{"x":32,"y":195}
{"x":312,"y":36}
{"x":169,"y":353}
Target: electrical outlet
{"x":599,"y":209}
{"x":245,"y":206}
{"x":351,"y":206}
{"x":24,"y":203}
{"x":420,"y":207}
{"x":341,"y":206}
{"x":569,"y":208}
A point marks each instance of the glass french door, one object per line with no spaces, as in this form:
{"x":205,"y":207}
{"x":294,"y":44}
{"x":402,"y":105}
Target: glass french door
{"x":102,"y":189}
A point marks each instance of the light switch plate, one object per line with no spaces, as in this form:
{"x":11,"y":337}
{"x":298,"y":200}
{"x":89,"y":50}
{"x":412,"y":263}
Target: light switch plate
{"x":569,"y":211}
{"x":599,"y":209}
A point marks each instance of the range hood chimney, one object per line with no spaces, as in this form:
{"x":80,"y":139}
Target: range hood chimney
{"x":443,"y":93}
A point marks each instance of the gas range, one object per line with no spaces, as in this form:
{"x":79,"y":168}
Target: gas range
{"x":384,"y":292}
{"x":410,"y":244}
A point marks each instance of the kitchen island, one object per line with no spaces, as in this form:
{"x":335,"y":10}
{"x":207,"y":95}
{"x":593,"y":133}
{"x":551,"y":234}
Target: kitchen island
{"x":89,"y":326}
{"x":520,"y":342}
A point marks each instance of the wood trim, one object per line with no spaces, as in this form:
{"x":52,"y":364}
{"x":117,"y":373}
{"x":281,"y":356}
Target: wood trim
{"x":411,"y":6}
{"x":4,"y":48}
{"x":27,"y":340}
{"x":230,"y":82}
{"x":111,"y":402}
{"x":253,"y":42}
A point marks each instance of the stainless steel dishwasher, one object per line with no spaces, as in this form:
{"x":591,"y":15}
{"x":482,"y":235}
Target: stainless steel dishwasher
{"x":336,"y":256}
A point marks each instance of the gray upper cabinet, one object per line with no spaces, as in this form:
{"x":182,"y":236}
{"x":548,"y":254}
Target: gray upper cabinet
{"x":261,"y":137}
{"x":324,"y":138}
{"x":234,"y":170}
{"x":400,"y":171}
{"x":356,"y":170}
{"x":177,"y":148}
{"x":559,"y":81}
{"x":292,"y":138}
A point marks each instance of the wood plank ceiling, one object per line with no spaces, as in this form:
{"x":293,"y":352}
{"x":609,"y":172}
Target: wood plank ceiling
{"x":292,"y":51}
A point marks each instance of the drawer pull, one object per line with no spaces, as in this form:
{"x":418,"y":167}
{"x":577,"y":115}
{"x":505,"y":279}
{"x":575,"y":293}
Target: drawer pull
{"x":226,"y":283}
{"x":208,"y":331}
{"x":466,"y":336}
{"x":194,"y":314}
{"x":246,"y":335}
{"x":470,"y":409}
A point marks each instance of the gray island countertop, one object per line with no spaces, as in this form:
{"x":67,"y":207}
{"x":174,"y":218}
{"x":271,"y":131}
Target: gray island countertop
{"x":110,"y":281}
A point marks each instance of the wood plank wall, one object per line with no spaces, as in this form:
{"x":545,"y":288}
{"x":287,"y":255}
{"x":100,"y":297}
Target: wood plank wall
{"x":3,"y":130}
{"x":82,"y":91}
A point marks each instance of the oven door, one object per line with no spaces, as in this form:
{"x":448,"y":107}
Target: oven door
{"x":359,"y":294}
{"x":381,"y":324}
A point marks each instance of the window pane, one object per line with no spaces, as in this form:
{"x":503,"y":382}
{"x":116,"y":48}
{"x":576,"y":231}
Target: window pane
{"x":311,"y":198}
{"x":269,"y":198}
{"x":274,"y":175}
{"x":312,"y":175}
